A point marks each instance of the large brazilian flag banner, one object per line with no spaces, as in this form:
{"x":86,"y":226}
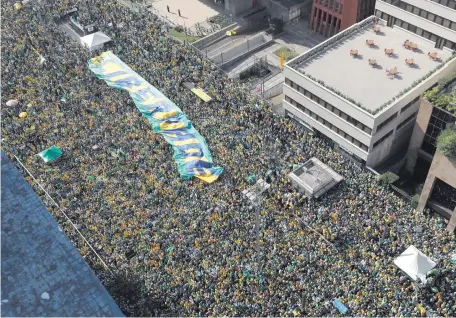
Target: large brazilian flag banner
{"x":191,"y":153}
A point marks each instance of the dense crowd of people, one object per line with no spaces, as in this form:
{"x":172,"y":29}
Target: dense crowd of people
{"x":192,"y":243}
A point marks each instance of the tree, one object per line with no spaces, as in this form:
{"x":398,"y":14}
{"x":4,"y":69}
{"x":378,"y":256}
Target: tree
{"x":446,"y":142}
{"x":276,"y":25}
{"x":415,"y":201}
{"x":387,"y":178}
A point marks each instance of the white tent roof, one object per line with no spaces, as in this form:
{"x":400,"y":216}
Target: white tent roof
{"x":95,"y":39}
{"x":414,"y":263}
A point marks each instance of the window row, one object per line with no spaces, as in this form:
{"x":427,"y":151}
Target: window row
{"x":425,"y":14}
{"x":418,"y":31}
{"x":328,"y":106}
{"x":326,"y":123}
{"x":447,"y":3}
{"x":403,"y":109}
{"x":332,"y":4}
{"x":378,"y":142}
{"x":406,"y":121}
{"x":386,"y":122}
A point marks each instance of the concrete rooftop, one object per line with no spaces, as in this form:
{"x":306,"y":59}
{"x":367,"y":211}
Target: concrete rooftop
{"x":315,"y":176}
{"x":367,"y":85}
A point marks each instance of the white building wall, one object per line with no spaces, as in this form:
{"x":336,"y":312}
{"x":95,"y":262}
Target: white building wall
{"x":325,"y":94}
{"x":325,"y":130}
{"x":327,"y":115}
{"x":418,"y":21}
{"x":435,"y":8}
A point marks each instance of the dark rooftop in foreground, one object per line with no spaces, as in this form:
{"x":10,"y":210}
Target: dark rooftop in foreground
{"x":42,"y":272}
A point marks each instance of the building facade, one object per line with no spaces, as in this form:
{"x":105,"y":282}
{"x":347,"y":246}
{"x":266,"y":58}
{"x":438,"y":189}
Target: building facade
{"x":328,"y":17}
{"x":322,"y":85}
{"x":431,"y":19}
{"x":288,"y":10}
{"x":425,"y":162}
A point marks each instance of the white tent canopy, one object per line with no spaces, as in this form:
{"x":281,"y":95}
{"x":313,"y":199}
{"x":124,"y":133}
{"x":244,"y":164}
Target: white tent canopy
{"x":95,"y":40}
{"x":414,"y":263}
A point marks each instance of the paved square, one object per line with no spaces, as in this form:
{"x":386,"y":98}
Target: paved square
{"x":192,"y":11}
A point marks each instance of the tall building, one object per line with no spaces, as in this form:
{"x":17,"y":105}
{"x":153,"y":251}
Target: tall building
{"x":361,"y":88}
{"x":328,"y":17}
{"x":428,"y":165}
{"x":433,"y":20}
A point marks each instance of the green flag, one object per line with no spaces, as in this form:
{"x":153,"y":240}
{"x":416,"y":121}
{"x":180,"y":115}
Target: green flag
{"x":51,"y":154}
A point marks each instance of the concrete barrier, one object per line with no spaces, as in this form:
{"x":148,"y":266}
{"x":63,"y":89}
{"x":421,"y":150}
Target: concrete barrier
{"x":211,"y":38}
{"x":273,"y":91}
{"x":239,"y":51}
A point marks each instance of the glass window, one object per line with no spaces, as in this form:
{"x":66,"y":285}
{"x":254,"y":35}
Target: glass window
{"x":419,"y":31}
{"x":364,"y":147}
{"x":411,"y":28}
{"x":409,"y":8}
{"x":426,"y":34}
{"x":359,"y":125}
{"x":288,"y":82}
{"x":357,"y":143}
{"x":431,"y":17}
{"x":416,"y":10}
{"x":344,"y":116}
{"x":315,"y":98}
{"x":438,"y":20}
{"x":367,"y":130}
{"x":301,"y":89}
{"x":336,"y":111}
{"x":404,"y":25}
{"x":307,"y":111}
{"x":423,"y":13}
{"x":446,"y":23}
{"x":453,"y":26}
{"x":308,"y":94}
{"x":433,"y":37}
{"x":402,"y":5}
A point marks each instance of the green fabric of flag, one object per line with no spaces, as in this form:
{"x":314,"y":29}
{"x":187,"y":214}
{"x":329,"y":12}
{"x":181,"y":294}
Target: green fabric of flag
{"x":51,"y":154}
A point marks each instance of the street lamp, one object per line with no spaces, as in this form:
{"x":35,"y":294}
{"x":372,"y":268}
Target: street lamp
{"x":255,"y":196}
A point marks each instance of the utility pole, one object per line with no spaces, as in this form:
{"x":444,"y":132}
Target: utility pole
{"x":255,"y":196}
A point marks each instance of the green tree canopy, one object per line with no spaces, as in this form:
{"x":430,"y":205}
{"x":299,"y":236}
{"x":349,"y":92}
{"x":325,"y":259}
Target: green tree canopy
{"x":446,"y":142}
